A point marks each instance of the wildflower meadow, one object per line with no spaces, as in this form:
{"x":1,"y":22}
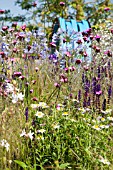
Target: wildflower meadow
{"x":56,"y":102}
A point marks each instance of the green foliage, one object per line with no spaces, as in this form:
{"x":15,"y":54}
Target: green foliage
{"x":22,"y":164}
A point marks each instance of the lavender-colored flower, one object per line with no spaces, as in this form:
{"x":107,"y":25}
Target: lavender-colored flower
{"x":89,"y":101}
{"x":109,"y":92}
{"x":84,"y":103}
{"x":109,"y":65}
{"x":87,"y":86}
{"x":98,"y":72}
{"x":79,"y":95}
{"x":83,"y":77}
{"x":94,"y":82}
{"x":98,"y":90}
{"x":26,"y":113}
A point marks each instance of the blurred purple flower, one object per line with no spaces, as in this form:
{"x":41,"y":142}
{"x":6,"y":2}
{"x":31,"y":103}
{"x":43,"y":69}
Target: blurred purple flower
{"x":26,"y":113}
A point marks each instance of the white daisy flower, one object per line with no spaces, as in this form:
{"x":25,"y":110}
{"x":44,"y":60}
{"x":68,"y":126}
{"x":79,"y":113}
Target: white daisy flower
{"x":104,"y":161}
{"x":39,"y":114}
{"x":40,"y":137}
{"x":34,"y":106}
{"x":110,"y":118}
{"x":65,"y":114}
{"x":56,"y":126}
{"x":106,"y":111}
{"x":96,"y":127}
{"x":43,"y":105}
{"x":41,"y":130}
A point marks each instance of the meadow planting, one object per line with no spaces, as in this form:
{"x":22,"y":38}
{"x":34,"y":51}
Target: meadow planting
{"x":56,"y":102}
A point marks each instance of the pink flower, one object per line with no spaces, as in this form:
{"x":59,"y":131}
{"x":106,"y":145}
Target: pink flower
{"x":98,"y":93}
{"x":35,"y":99}
{"x":62,"y":3}
{"x":56,"y":84}
{"x":4,"y":28}
{"x":11,"y":30}
{"x":97,"y":49}
{"x":66,"y":69}
{"x":91,"y":37}
{"x":14,"y":24}
{"x":78,"y":61}
{"x":14,"y":42}
{"x":68,"y":54}
{"x":111,"y":31}
{"x":64,"y":40}
{"x":52,"y":44}
{"x":2,"y":11}
{"x":97,"y":37}
{"x":36,"y":69}
{"x":33,"y":81}
{"x":22,"y":77}
{"x":34,"y":4}
{"x":17,"y":74}
{"x":14,"y":50}
{"x":79,"y":42}
{"x":85,"y":38}
{"x":2,"y":54}
{"x":85,"y":54}
{"x":106,"y":9}
{"x":31,"y":91}
{"x":23,"y":27}
{"x":29,"y":47}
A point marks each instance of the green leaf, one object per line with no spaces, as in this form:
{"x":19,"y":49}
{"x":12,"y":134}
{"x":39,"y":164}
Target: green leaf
{"x":63,"y":166}
{"x":22,"y":164}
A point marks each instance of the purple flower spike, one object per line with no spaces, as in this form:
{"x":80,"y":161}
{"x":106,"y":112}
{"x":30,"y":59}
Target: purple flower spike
{"x":98,"y":90}
{"x":84,"y":103}
{"x":79,"y":95}
{"x":94,"y":85}
{"x":89,"y":101}
{"x":99,"y":72}
{"x":109,"y":91}
{"x":26,"y":113}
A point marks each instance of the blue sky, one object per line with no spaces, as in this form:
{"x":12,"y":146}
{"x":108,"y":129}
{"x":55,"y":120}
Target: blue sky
{"x":10,"y":4}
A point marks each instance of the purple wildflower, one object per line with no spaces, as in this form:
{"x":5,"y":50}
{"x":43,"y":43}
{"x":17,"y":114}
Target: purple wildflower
{"x":84,"y":103}
{"x":94,"y":85}
{"x":26,"y":113}
{"x":79,"y":95}
{"x":98,"y":90}
{"x":98,"y":72}
{"x":89,"y":101}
